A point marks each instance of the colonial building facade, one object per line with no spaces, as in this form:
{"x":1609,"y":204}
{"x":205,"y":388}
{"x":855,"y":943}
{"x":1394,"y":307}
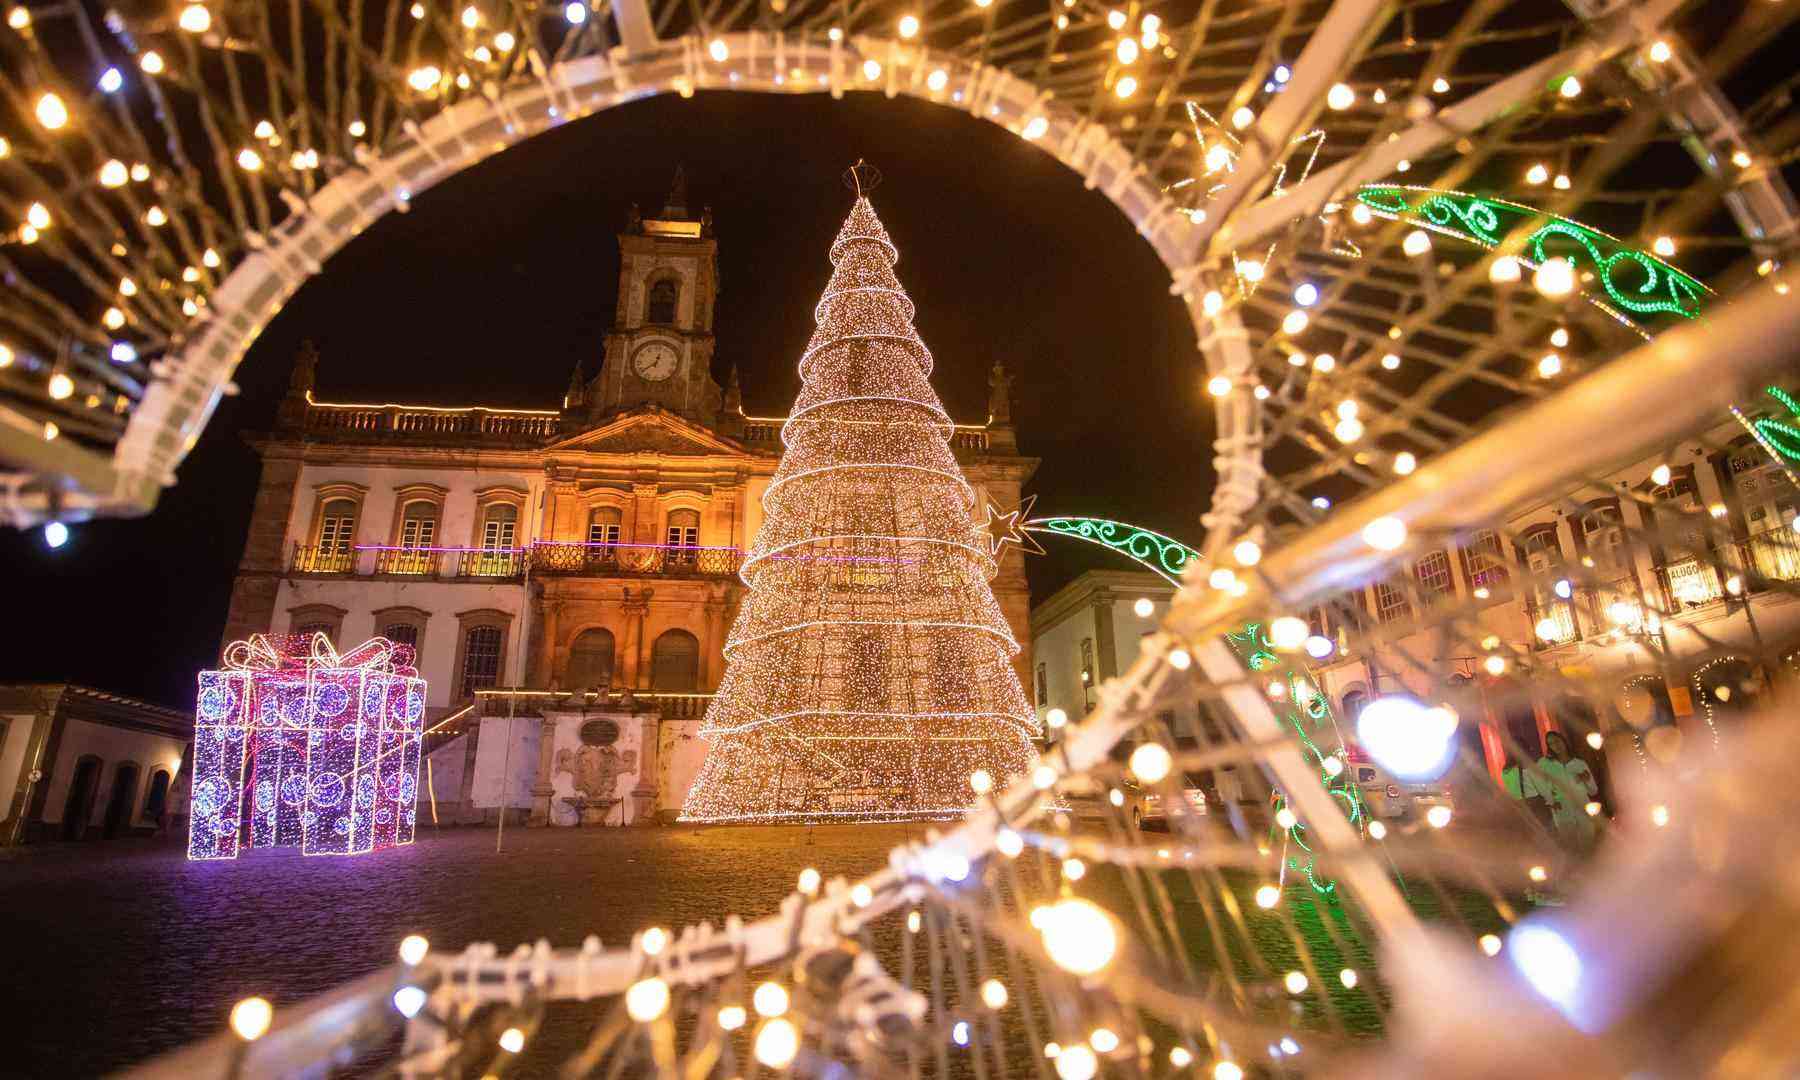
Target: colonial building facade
{"x":591,"y":546}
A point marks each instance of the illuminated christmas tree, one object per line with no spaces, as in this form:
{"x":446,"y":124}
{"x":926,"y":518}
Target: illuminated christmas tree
{"x":868,"y":672}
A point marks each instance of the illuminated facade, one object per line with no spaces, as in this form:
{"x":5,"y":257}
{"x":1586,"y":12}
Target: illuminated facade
{"x":596,"y":545}
{"x":1705,"y":532}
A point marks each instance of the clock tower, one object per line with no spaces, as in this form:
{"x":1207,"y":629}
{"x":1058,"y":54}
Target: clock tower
{"x":660,"y":349}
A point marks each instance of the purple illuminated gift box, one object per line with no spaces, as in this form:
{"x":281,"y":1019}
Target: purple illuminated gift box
{"x":317,"y":749}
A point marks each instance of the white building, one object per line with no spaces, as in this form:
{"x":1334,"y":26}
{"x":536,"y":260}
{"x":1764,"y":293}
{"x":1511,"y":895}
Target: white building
{"x":78,"y":763}
{"x":594,"y":545}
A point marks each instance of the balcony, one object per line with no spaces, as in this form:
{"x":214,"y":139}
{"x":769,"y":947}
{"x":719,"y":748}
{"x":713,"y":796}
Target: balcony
{"x":323,"y":559}
{"x":425,"y":424}
{"x":517,"y":702}
{"x":411,"y":562}
{"x":1552,"y":623}
{"x":430,"y":563}
{"x":1772,"y":555}
{"x":510,"y":564}
{"x":651,"y":560}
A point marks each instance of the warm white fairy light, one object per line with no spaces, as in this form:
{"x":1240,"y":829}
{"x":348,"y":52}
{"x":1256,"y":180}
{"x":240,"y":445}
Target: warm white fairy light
{"x":770,"y":999}
{"x":504,"y":41}
{"x":1504,"y":270}
{"x":1143,"y":607}
{"x":1074,"y":869}
{"x":1596,"y":740}
{"x":111,"y":81}
{"x":249,"y":160}
{"x":1661,"y":475}
{"x":654,"y":941}
{"x":1126,"y":86}
{"x":51,"y":112}
{"x":777,"y":1043}
{"x":413,"y":948}
{"x":1570,"y":88}
{"x":1660,"y":52}
{"x":1294,"y":322}
{"x":1077,"y":1062}
{"x":1127,"y":51}
{"x":889,"y":648}
{"x":251,"y":1017}
{"x":937,"y":80}
{"x":1009,"y":843}
{"x":732,"y":1017}
{"x":1554,"y":278}
{"x":993,"y":994}
{"x":60,"y":386}
{"x":981,"y":781}
{"x":1664,"y":246}
{"x":151,"y":62}
{"x":1289,"y":633}
{"x":1417,"y":242}
{"x":195,"y":19}
{"x":424,"y":78}
{"x":1180,"y":1057}
{"x":1438,"y":816}
{"x":1295,"y":981}
{"x":809,"y":881}
{"x":1267,"y":896}
{"x":646,"y":1000}
{"x":1151,"y":762}
{"x":1079,"y":937}
{"x":37,"y":215}
{"x":1385,"y":533}
{"x":1340,"y":96}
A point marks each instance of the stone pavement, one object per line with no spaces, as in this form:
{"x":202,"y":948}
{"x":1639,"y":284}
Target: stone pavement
{"x":124,"y":949}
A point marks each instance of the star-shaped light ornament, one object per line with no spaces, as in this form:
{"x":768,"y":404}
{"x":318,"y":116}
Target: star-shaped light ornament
{"x":1008,"y":527}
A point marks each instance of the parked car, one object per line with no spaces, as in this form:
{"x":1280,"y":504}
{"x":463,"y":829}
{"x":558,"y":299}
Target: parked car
{"x":1387,"y":797}
{"x":1093,"y":801}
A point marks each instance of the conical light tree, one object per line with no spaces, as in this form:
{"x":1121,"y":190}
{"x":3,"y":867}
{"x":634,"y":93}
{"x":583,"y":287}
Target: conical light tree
{"x":868,"y":672}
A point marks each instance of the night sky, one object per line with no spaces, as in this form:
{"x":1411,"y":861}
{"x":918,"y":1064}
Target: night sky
{"x":499,"y":281}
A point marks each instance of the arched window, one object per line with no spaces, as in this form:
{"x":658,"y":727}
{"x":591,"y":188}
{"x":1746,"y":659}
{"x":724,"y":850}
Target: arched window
{"x":675,"y":662}
{"x":482,"y":647}
{"x":309,"y":629}
{"x":1433,"y":572}
{"x":157,"y":797}
{"x":1483,"y":563}
{"x":401,"y":633}
{"x":590,"y":661}
{"x":1603,"y":535}
{"x":684,"y":534}
{"x":418,"y":524}
{"x":661,"y":306}
{"x":1353,"y":705}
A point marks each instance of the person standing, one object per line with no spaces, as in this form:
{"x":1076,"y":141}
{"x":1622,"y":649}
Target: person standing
{"x":1565,"y":782}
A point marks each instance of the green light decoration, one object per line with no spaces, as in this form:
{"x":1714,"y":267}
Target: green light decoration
{"x":1152,"y":550}
{"x":1308,"y":712}
{"x":1638,"y":283}
{"x":1782,"y":437}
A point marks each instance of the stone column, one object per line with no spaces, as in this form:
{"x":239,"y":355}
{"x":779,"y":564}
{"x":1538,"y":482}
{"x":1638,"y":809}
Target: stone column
{"x":549,"y":615}
{"x":542,"y":789}
{"x":631,"y":648}
{"x":714,"y":643}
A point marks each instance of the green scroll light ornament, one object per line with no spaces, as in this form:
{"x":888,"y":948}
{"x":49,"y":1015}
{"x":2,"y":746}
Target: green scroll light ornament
{"x":1308,"y":711}
{"x":1637,"y":283}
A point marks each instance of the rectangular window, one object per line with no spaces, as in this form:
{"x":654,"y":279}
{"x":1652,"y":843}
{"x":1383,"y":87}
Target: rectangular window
{"x":336,"y":532}
{"x":1433,"y":572}
{"x":401,"y":634}
{"x":481,"y":659}
{"x":1043,"y":685}
{"x":1484,"y":562}
{"x":1087,"y":661}
{"x":417,"y":532}
{"x":497,"y":533}
{"x":1391,"y":602}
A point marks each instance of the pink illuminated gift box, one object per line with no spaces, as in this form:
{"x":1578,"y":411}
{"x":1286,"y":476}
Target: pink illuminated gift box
{"x":296,"y":744}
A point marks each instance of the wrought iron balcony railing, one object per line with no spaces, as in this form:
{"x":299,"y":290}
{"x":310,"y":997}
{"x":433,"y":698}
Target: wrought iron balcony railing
{"x":491,"y":563}
{"x":413,"y":562}
{"x":513,"y":701}
{"x":560,"y":557}
{"x":323,"y":559}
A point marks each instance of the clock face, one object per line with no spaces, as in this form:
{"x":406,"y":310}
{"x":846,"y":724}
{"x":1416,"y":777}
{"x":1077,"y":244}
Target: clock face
{"x":654,"y":362}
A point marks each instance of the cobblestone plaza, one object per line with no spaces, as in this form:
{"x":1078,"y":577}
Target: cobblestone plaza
{"x":140,"y":951}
